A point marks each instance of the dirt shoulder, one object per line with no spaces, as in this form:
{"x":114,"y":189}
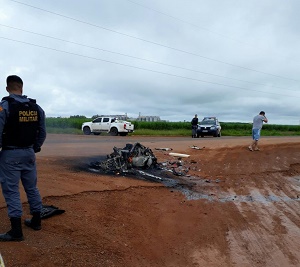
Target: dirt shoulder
{"x":235,"y":207}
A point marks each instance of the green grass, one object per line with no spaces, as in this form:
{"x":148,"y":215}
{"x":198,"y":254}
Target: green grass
{"x":73,"y":126}
{"x":263,"y":133}
{"x":176,"y":132}
{"x":54,"y":130}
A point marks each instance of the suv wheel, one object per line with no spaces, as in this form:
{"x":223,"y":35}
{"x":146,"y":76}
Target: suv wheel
{"x":113,"y":131}
{"x":87,"y":130}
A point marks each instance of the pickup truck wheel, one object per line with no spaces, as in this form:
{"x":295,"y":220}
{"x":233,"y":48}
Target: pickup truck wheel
{"x":87,"y":130}
{"x":113,"y":131}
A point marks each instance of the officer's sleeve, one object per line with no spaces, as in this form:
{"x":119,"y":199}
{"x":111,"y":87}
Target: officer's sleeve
{"x":3,"y":115}
{"x":41,"y":137}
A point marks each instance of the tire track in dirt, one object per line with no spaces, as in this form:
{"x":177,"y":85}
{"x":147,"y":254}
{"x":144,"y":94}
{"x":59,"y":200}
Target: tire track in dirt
{"x":272,"y":240}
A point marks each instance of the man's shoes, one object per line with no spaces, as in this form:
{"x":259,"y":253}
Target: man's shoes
{"x":10,"y":237}
{"x":250,"y":148}
{"x":33,"y":224}
{"x":15,"y":234}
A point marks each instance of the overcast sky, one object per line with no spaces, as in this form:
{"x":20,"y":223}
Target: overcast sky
{"x":167,"y":58}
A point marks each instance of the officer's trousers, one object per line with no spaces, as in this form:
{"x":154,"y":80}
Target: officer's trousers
{"x":194,"y":130}
{"x":16,"y":165}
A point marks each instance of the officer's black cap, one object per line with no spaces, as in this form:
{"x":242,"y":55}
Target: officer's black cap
{"x":13,"y":79}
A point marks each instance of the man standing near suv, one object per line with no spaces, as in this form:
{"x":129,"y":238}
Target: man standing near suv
{"x":194,"y":123}
{"x":258,"y":121}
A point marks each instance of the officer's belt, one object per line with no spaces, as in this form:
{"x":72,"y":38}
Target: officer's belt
{"x":14,"y":148}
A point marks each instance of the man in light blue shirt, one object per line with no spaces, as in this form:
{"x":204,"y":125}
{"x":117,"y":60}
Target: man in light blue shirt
{"x":258,"y":121}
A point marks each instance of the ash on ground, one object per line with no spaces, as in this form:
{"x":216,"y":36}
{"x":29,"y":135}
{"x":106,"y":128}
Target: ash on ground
{"x":138,"y":160}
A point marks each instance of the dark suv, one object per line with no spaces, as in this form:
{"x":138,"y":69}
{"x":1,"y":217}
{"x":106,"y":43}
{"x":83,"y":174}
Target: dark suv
{"x":209,"y":126}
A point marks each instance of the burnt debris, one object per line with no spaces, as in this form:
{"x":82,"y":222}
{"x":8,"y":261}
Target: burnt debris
{"x":137,"y":159}
{"x":127,"y":159}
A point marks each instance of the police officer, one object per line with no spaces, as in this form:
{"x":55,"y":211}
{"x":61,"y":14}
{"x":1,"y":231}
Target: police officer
{"x":22,"y":133}
{"x":194,"y":123}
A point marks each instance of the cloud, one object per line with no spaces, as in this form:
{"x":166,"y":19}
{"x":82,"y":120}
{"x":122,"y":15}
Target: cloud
{"x":225,"y":58}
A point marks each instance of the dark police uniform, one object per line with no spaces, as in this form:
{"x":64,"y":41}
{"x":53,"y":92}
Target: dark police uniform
{"x":22,"y":133}
{"x":194,"y":123}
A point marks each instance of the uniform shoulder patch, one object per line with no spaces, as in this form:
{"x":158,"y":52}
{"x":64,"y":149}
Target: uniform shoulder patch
{"x":1,"y":108}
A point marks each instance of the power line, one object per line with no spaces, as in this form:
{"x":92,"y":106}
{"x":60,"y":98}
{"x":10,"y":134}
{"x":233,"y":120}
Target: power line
{"x":184,"y":21}
{"x":151,"y":42}
{"x":144,"y":69}
{"x":148,"y":60}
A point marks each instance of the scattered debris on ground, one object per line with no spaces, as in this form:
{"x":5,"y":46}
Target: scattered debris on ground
{"x":49,"y":211}
{"x":164,"y":149}
{"x":179,"y":155}
{"x":1,"y":261}
{"x":196,"y":147}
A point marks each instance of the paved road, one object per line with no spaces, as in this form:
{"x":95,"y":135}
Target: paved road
{"x":83,"y":145}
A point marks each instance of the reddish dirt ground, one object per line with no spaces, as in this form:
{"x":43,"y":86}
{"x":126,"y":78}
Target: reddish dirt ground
{"x":235,"y":208}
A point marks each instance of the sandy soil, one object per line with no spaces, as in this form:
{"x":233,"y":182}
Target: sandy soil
{"x":235,"y":207}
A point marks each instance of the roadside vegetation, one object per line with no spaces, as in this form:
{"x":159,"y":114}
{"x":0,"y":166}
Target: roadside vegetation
{"x":72,"y":125}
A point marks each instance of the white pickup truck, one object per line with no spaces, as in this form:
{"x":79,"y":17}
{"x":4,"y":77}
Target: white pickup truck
{"x":110,"y":125}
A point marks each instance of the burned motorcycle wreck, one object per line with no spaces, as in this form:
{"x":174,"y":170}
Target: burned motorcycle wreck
{"x":127,"y":160}
{"x":136,"y":159}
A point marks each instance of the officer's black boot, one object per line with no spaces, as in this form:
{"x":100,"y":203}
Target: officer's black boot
{"x":15,"y":234}
{"x":35,"y":222}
